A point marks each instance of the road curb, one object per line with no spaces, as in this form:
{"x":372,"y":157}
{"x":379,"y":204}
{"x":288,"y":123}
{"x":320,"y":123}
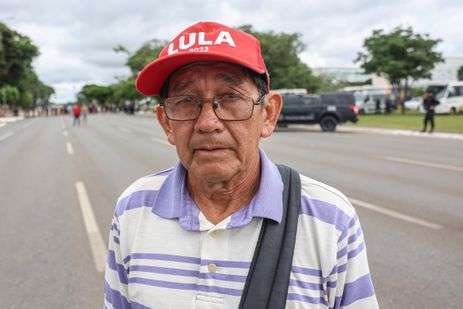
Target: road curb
{"x":440,"y":135}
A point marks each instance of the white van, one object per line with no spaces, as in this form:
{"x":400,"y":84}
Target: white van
{"x":450,"y":98}
{"x":366,"y":98}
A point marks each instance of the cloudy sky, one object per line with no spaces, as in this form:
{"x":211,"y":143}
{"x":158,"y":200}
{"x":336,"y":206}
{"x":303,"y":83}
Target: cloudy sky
{"x":76,"y":37}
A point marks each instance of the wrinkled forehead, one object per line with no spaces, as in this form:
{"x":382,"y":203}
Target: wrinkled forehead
{"x":221,"y":72}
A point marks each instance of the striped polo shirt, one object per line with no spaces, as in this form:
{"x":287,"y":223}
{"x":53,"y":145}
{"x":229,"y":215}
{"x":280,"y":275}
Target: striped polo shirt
{"x":164,"y":253}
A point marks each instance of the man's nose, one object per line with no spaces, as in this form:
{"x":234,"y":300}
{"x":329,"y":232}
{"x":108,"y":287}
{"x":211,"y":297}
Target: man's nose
{"x":207,"y":120}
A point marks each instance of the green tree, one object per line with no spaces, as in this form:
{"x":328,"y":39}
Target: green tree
{"x":40,"y":92}
{"x":16,"y":54}
{"x":142,"y":56}
{"x":100,"y":94}
{"x":417,"y":91}
{"x":26,"y":100}
{"x":9,"y":95}
{"x":460,"y":73}
{"x":280,"y":52}
{"x":124,"y":91}
{"x":400,"y":55}
{"x":45,"y":93}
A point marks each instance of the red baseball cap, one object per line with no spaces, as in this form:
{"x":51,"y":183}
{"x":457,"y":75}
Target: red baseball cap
{"x":203,"y":41}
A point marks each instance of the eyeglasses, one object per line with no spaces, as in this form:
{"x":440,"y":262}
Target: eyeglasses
{"x":230,"y":107}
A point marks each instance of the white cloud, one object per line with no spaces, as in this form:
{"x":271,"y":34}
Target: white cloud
{"x":65,"y":91}
{"x":313,"y":59}
{"x":76,"y":37}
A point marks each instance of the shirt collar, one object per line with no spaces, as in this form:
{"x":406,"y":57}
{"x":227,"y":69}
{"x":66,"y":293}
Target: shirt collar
{"x":174,"y":201}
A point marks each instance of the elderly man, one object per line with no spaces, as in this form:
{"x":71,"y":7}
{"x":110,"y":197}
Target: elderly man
{"x":215,"y":231}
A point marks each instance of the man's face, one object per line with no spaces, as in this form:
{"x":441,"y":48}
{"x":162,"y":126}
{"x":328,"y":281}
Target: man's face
{"x":210,"y":148}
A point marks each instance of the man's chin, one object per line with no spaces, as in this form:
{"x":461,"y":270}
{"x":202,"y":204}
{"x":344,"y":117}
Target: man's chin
{"x":213,"y":171}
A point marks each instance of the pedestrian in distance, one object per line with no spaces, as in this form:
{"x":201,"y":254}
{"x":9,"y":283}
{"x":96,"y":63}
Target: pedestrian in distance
{"x":366,"y":101}
{"x":377,"y":106}
{"x":84,"y":114}
{"x":388,"y":104}
{"x":429,"y":105}
{"x":76,"y":110}
{"x":226,"y":227}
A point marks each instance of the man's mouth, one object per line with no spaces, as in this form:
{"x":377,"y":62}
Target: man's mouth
{"x":210,"y":149}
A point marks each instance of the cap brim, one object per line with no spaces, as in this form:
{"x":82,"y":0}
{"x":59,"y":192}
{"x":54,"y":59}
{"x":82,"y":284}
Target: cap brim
{"x":152,"y":77}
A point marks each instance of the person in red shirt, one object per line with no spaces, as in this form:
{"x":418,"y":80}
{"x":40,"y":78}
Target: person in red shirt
{"x":76,"y":112}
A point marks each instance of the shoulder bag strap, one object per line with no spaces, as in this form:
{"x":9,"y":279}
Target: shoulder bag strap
{"x":268,"y":278}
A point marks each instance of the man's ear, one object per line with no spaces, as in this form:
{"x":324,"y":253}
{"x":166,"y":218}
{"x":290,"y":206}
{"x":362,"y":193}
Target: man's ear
{"x":165,"y":124}
{"x":271,"y":112}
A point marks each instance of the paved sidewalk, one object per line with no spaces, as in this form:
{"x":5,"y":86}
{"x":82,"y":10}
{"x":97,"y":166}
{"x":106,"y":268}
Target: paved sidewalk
{"x":10,"y":119}
{"x":368,"y":130}
{"x":402,"y":132}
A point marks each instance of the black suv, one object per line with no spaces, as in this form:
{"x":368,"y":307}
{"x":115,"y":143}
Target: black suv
{"x":328,"y":110}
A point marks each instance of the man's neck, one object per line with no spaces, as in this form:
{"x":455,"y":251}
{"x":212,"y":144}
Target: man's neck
{"x":219,"y":200}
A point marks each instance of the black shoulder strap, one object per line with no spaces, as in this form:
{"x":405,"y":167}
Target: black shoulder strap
{"x":268,"y":278}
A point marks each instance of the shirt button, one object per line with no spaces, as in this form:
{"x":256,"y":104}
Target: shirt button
{"x":212,"y":268}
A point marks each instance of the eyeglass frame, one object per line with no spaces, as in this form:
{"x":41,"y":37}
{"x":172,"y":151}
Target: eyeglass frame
{"x":213,"y":99}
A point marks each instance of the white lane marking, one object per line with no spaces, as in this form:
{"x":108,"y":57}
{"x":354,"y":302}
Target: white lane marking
{"x":5,"y":136}
{"x":69,"y":148}
{"x":94,"y":236}
{"x":2,"y":124}
{"x":160,"y":141}
{"x":27,"y":125}
{"x":396,"y":214}
{"x":428,"y":164}
{"x":65,"y":133}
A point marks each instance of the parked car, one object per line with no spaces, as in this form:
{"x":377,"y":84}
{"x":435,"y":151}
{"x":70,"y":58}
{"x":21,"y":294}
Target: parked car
{"x":450,"y":98}
{"x":414,"y":104}
{"x":435,"y":88}
{"x":328,"y":110}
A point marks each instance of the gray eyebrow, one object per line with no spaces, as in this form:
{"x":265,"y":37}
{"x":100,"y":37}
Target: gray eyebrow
{"x":230,"y":79}
{"x":181,"y":85}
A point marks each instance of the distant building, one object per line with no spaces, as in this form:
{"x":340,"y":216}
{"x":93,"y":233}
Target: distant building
{"x":347,"y":74}
{"x":443,"y":72}
{"x":291,"y":91}
{"x":352,"y":75}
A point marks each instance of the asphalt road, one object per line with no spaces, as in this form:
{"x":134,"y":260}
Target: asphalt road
{"x":58,"y":185}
